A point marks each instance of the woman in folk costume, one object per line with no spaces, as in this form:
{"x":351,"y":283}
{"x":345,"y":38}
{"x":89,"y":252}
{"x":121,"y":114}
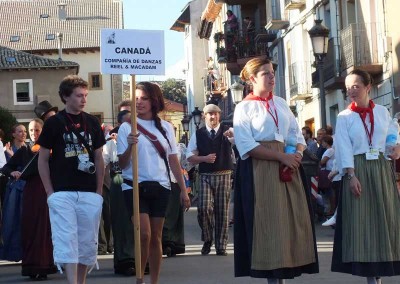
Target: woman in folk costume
{"x":367,"y":236}
{"x":274,"y":233}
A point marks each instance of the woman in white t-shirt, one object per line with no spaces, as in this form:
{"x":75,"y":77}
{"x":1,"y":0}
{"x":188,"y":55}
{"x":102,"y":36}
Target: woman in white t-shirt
{"x":153,"y":172}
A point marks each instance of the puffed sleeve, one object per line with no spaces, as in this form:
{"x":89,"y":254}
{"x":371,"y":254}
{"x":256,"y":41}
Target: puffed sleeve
{"x":244,"y":139}
{"x":343,"y":146}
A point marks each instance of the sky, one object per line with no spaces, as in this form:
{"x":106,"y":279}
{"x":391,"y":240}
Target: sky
{"x":159,"y":15}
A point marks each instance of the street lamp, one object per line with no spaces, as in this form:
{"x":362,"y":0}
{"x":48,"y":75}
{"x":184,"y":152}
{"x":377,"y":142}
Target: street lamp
{"x":185,"y":125}
{"x":237,"y":92}
{"x":197,"y":116}
{"x":319,"y":35}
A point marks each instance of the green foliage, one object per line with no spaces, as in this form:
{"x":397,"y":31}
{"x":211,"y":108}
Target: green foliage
{"x":174,"y":90}
{"x":7,"y":120}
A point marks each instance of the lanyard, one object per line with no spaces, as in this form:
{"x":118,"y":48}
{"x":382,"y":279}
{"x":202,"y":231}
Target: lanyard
{"x":369,"y":133}
{"x":77,"y":125}
{"x":275,"y":118}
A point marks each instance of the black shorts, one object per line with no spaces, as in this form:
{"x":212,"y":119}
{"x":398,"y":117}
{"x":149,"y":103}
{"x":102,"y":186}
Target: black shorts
{"x":153,"y":198}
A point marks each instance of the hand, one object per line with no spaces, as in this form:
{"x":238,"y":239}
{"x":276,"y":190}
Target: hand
{"x":292,"y":161}
{"x":185,"y":200}
{"x":132,"y":138}
{"x":332,"y":174}
{"x":355,"y":186}
{"x":16,"y":174}
{"x":229,"y":133}
{"x":9,"y":149}
{"x":395,"y":152}
{"x":210,"y":158}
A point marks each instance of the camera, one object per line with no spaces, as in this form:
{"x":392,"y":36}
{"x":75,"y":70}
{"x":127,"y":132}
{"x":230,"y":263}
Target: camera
{"x":85,"y":165}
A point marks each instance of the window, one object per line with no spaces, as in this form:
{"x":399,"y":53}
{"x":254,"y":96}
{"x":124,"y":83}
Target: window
{"x":23,"y":92}
{"x":95,"y":81}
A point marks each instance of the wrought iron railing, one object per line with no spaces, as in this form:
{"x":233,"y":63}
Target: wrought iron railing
{"x":362,"y":44}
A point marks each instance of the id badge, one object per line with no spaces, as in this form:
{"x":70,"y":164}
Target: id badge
{"x":373,"y":154}
{"x":279,"y":137}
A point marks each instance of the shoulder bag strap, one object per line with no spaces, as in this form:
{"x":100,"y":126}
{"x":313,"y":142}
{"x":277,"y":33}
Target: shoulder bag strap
{"x":154,"y":140}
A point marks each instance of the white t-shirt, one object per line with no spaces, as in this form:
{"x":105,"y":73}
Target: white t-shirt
{"x":151,"y":165}
{"x":330,"y":153}
{"x":3,"y":160}
{"x":252,"y":123}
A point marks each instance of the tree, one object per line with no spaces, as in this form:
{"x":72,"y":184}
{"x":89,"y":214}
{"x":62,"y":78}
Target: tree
{"x":174,"y":90}
{"x":7,"y":120}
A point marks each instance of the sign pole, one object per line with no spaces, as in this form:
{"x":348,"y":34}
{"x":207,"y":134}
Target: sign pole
{"x":136,"y":215}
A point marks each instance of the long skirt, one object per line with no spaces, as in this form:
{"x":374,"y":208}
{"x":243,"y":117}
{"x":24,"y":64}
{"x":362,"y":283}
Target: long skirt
{"x":37,"y":247}
{"x":173,"y":240}
{"x":367,"y":235}
{"x":10,"y":241}
{"x":273,"y":234}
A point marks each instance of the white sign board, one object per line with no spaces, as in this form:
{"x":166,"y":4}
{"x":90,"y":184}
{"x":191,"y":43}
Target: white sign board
{"x":136,"y":52}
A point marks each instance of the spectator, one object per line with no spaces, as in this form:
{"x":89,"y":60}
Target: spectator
{"x":19,"y":136}
{"x":312,"y":146}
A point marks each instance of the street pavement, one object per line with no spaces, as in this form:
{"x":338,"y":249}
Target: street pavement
{"x":194,"y":268}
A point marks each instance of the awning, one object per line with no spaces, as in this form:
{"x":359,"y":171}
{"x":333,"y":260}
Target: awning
{"x":211,"y":11}
{"x":184,"y":19}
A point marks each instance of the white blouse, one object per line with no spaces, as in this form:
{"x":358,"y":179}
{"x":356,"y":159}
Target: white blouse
{"x":253,"y":123}
{"x":351,"y":138}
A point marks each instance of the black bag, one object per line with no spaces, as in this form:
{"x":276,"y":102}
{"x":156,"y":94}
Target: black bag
{"x":323,"y":180}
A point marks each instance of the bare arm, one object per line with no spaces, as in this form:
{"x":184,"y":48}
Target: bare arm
{"x":125,"y":157}
{"x":176,"y":170}
{"x":44,"y":170}
{"x":99,"y":164}
{"x":196,"y":159}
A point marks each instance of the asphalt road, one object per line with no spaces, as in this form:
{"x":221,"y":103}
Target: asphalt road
{"x":195,"y":268}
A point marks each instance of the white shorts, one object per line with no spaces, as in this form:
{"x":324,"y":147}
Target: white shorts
{"x":75,"y":220}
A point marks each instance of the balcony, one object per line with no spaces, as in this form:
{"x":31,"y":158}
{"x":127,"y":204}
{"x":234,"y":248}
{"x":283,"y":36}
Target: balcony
{"x":332,"y":75}
{"x":275,"y":21}
{"x":299,"y":80}
{"x":236,"y":48}
{"x":362,"y":46}
{"x":294,"y":4}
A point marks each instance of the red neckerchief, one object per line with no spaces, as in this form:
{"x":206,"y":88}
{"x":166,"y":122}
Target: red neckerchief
{"x":363,"y":111}
{"x":252,"y":97}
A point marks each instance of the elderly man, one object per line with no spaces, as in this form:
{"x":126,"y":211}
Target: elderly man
{"x":212,"y":151}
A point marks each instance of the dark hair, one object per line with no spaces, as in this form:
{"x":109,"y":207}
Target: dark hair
{"x":68,"y":84}
{"x":307,"y":130}
{"x":15,"y":126}
{"x":327,"y":139}
{"x":124,"y":103}
{"x":121,"y":115}
{"x":229,"y":12}
{"x":329,"y":130}
{"x":157,"y":103}
{"x":365,"y":76}
{"x":252,"y":67}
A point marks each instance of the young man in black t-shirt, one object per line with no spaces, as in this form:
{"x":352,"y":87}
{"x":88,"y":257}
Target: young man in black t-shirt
{"x":71,"y":168}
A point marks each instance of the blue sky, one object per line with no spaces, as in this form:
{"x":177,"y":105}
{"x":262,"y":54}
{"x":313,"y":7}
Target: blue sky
{"x":157,"y":15}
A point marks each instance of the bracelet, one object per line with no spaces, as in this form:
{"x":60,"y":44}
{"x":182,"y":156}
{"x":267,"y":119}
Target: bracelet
{"x":300,"y":152}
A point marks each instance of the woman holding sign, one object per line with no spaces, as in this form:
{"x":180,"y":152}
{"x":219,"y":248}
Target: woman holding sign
{"x":157,"y":153}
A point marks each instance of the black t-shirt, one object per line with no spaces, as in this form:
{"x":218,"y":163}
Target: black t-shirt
{"x":65,"y":146}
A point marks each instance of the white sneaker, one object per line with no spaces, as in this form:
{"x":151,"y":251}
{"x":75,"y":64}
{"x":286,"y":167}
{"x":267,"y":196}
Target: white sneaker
{"x":330,"y":222}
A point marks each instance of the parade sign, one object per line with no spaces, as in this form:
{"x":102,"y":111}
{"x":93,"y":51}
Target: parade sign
{"x":139,"y":52}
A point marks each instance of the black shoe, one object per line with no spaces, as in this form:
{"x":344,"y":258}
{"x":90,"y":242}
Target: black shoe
{"x":130,"y":271}
{"x":206,"y":248}
{"x":101,"y":252}
{"x":222,"y":252}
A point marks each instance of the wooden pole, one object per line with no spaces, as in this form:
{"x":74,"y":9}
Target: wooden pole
{"x":136,"y":215}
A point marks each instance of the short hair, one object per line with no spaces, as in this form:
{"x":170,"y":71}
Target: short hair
{"x":327,"y":139}
{"x":329,"y":130}
{"x":252,"y":67}
{"x":38,"y":120}
{"x":307,"y":130}
{"x":68,"y":84}
{"x":125,"y":103}
{"x":121,"y":115}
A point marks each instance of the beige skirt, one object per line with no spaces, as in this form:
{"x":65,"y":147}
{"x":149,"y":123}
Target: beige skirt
{"x":282,"y":230}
